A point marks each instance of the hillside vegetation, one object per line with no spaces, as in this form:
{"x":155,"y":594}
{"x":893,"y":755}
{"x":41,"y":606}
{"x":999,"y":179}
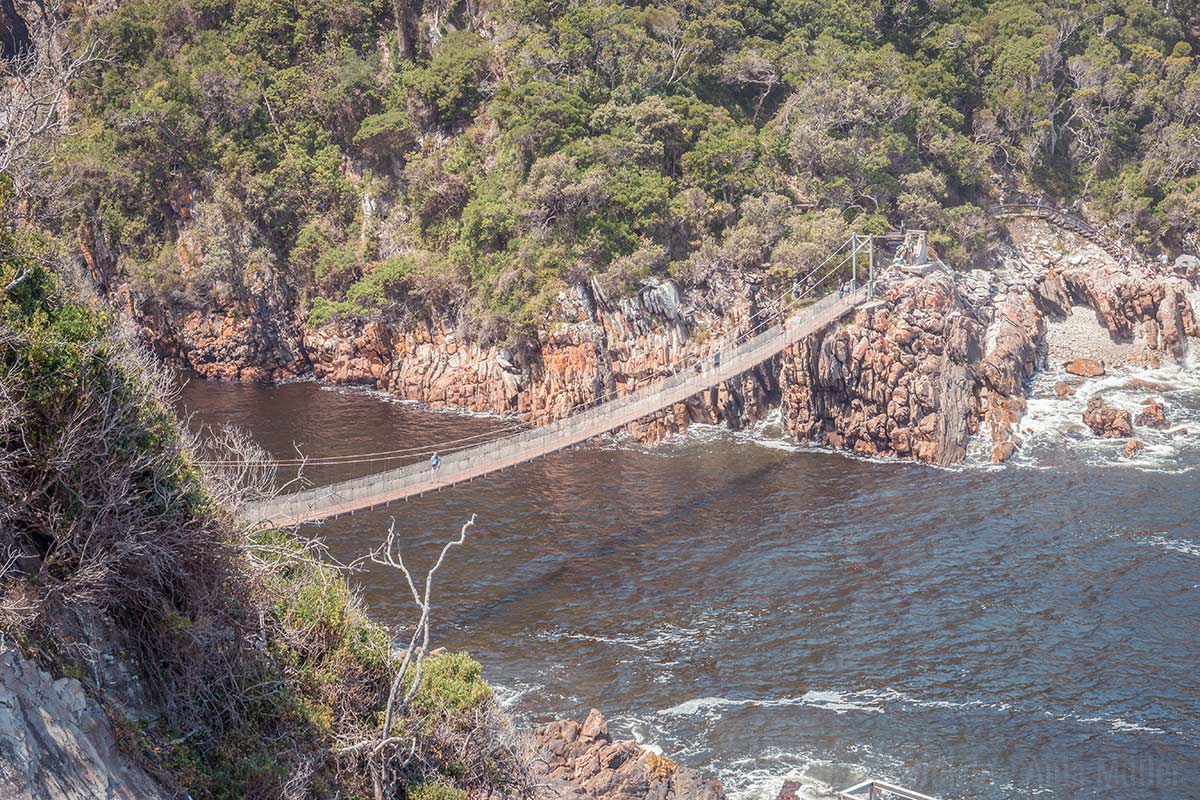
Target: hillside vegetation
{"x":483,"y":155}
{"x":257,"y":670}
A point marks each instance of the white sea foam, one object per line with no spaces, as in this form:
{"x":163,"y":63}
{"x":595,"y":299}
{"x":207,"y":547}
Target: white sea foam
{"x":1115,"y":724}
{"x":1053,"y":430}
{"x":623,"y":641}
{"x":509,"y":696}
{"x":838,"y":702}
{"x":1178,"y":545}
{"x":642,"y":731}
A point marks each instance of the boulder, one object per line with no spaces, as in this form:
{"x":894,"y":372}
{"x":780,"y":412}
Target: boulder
{"x":791,"y":790}
{"x":1085,"y":367}
{"x":1107,"y":421}
{"x":1063,"y":390}
{"x":1152,"y":415}
{"x":1187,"y":265}
{"x":1133,"y":446}
{"x":583,"y":761}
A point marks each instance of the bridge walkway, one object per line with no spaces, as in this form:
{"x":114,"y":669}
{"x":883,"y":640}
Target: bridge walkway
{"x":415,"y":479}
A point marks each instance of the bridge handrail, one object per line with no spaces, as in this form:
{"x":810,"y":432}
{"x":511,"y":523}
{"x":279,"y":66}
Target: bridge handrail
{"x":876,"y":790}
{"x":687,"y":378}
{"x":637,"y":404}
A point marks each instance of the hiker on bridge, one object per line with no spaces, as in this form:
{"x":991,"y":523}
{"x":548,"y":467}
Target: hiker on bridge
{"x":435,"y":463}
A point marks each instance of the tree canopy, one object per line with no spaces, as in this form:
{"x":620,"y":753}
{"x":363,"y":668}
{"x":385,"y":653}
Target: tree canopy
{"x":485,"y":155}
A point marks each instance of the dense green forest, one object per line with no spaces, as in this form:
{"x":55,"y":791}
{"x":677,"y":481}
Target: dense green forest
{"x":483,"y":155}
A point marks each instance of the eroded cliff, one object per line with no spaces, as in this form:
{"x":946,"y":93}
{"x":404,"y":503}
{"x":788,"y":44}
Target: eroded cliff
{"x":936,"y":359}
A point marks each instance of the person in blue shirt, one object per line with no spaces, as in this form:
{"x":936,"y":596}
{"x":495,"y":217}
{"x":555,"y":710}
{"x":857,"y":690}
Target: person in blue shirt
{"x":435,"y":461}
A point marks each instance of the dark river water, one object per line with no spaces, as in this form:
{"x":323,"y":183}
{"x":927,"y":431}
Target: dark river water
{"x":762,"y":611}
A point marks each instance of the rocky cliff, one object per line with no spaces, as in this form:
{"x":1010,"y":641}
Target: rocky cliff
{"x":937,"y":359}
{"x":595,"y":349}
{"x":897,"y":380}
{"x":57,"y":742}
{"x":583,"y":761}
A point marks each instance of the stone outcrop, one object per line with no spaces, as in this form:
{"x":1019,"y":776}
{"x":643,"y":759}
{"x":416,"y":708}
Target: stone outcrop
{"x":1107,"y":421}
{"x":898,"y":380}
{"x":56,"y":743}
{"x":1147,"y":315}
{"x":914,"y":376}
{"x":1143,"y":385}
{"x":1152,"y":415}
{"x":595,"y":352}
{"x":1133,"y":447}
{"x":251,"y":339}
{"x":1084,"y":367}
{"x":582,"y":760}
{"x":1017,"y":332}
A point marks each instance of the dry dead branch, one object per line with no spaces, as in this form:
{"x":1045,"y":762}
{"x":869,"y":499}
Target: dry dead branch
{"x":386,"y":758}
{"x":34,"y":99}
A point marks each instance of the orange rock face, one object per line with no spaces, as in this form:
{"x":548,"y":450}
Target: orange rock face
{"x":1107,"y":421}
{"x":914,"y":377}
{"x":600,"y":354}
{"x":584,"y":761}
{"x":896,"y":382}
{"x":1085,"y":367}
{"x":1153,"y":415}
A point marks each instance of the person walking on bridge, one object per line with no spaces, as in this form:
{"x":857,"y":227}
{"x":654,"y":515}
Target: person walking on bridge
{"x":435,"y":463}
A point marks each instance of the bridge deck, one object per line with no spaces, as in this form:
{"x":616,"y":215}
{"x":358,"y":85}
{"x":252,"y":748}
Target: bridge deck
{"x":415,"y":479}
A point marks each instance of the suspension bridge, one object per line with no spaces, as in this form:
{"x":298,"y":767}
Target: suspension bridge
{"x":826,"y":294}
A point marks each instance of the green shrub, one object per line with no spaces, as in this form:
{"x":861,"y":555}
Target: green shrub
{"x":451,"y":82}
{"x":436,"y":791}
{"x":381,"y":281}
{"x":386,"y":134}
{"x":324,"y":310}
{"x":451,"y":684}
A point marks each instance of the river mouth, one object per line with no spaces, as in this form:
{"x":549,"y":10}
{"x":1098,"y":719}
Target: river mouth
{"x":760,"y":610}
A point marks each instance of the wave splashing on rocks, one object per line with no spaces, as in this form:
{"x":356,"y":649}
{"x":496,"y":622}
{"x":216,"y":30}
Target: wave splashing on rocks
{"x":1055,"y":434}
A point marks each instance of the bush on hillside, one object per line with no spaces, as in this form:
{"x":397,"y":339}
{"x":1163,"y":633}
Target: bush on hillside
{"x":256,"y":654}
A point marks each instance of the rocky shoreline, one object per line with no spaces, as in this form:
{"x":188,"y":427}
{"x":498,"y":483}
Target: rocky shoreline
{"x":582,"y":760}
{"x":938,"y":360}
{"x":58,"y":741}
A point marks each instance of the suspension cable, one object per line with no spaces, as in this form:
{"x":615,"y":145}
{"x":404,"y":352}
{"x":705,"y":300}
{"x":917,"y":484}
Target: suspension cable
{"x":733,"y":338}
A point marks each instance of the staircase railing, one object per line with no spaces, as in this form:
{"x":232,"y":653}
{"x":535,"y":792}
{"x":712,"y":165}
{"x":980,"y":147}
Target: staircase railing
{"x":880,"y":790}
{"x":1069,"y":222}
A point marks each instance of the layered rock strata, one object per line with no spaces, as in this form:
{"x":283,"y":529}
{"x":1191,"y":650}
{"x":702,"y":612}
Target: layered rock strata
{"x":57,"y":742}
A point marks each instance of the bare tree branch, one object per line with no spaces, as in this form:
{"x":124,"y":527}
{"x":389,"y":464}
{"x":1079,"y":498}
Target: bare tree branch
{"x":34,"y":94}
{"x":385,"y":750}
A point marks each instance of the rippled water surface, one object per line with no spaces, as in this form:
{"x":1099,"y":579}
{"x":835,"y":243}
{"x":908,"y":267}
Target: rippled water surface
{"x":763,"y":611}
